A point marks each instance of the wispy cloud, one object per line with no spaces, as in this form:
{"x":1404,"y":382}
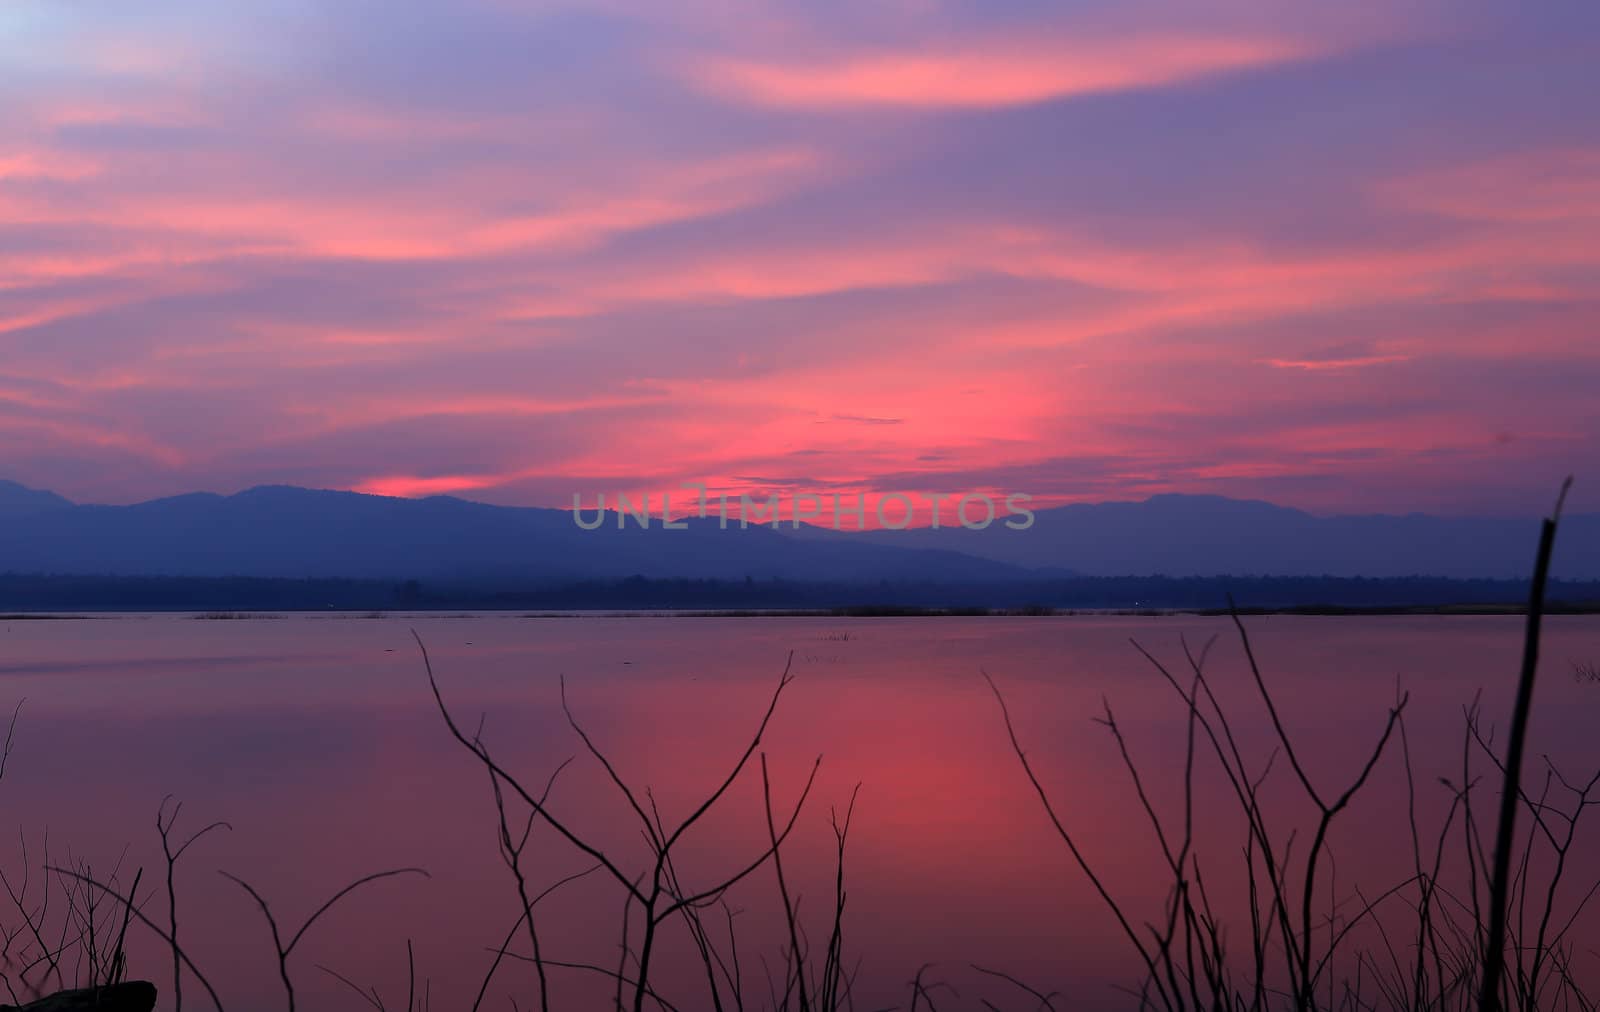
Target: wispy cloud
{"x":988,"y":75}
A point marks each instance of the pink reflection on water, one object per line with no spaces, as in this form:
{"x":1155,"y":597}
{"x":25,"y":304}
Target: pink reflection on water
{"x":316,"y":739}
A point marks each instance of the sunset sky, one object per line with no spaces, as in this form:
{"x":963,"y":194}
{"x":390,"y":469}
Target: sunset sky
{"x":1338,"y":256}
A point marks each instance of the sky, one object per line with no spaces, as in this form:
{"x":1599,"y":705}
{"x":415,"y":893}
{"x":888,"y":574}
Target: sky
{"x":1338,"y":256}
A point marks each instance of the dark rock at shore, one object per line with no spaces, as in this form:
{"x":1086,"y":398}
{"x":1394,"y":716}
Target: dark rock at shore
{"x":133,"y":996}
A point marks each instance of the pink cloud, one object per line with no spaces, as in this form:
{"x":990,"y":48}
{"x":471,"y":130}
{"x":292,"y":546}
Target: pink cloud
{"x":1332,"y":364}
{"x":69,"y":434}
{"x":43,"y":163}
{"x":410,"y":486}
{"x":991,"y":74}
{"x":1552,"y":187}
{"x":398,"y":223}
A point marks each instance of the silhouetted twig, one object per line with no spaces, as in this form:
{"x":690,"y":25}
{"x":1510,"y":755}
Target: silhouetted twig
{"x":283,"y":950}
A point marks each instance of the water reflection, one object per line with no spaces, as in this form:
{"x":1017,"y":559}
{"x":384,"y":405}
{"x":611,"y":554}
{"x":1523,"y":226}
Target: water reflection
{"x":317,"y":740}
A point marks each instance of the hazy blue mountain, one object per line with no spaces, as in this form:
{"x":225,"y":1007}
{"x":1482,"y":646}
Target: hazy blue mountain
{"x":292,"y":532}
{"x":17,"y":500}
{"x":279,"y":531}
{"x":1189,"y":535}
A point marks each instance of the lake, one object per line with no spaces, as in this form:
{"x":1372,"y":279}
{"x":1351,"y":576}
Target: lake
{"x":317,"y":739}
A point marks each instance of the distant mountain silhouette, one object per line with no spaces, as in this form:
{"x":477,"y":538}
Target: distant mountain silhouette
{"x":281,"y":531}
{"x":1205,"y":535}
{"x":18,"y":500}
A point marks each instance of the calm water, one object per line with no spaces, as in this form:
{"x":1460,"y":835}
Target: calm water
{"x":315,"y":737}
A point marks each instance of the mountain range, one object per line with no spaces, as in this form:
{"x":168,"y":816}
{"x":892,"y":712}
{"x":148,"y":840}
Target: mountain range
{"x":287,"y":532}
{"x":1206,"y":535}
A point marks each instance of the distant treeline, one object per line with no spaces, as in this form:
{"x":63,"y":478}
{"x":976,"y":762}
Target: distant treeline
{"x":24,"y":593}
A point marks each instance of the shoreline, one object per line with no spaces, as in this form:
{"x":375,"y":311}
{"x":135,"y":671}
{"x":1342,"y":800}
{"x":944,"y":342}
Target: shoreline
{"x":846,"y":612}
